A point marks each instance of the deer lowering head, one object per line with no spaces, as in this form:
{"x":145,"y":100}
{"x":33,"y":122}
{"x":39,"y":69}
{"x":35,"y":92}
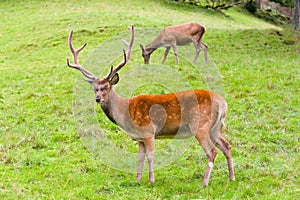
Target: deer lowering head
{"x":173,"y":36}
{"x":199,"y":113}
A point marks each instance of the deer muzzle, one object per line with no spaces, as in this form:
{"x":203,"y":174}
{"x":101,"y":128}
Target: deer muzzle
{"x":98,"y":99}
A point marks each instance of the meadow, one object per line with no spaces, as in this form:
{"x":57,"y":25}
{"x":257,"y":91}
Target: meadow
{"x":43,"y":154}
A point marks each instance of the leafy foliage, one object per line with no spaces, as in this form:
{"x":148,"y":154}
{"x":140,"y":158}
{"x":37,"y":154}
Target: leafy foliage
{"x":217,"y":5}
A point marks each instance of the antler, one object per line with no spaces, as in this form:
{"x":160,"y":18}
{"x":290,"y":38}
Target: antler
{"x":76,"y":64}
{"x":126,"y":56}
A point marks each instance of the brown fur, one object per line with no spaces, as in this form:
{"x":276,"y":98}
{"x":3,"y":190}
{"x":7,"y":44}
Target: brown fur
{"x":178,"y":35}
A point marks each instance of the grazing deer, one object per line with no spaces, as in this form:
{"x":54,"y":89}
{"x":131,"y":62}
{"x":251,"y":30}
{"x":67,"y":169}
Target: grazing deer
{"x":147,"y":117}
{"x":173,"y":36}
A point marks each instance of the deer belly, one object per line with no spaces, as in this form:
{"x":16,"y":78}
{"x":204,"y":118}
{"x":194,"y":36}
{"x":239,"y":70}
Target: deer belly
{"x":183,"y":41}
{"x":174,"y":133}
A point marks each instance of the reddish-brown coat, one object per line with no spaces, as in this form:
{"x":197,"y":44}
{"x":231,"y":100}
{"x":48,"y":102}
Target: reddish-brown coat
{"x":174,"y":109}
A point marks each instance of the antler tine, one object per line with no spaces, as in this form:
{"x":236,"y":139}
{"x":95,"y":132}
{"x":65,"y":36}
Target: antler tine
{"x":129,"y":46}
{"x":126,"y":56}
{"x":76,"y":64}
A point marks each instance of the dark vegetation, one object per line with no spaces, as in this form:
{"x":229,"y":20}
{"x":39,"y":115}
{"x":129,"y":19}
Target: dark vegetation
{"x":279,"y":14}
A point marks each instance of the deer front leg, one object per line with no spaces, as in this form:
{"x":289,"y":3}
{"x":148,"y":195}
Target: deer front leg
{"x":176,"y":53}
{"x":166,"y":54}
{"x":149,"y":146}
{"x":141,"y":158}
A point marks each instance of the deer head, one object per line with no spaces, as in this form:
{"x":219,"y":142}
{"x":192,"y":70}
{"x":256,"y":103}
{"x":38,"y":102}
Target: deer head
{"x":102,"y":87}
{"x":145,"y":54}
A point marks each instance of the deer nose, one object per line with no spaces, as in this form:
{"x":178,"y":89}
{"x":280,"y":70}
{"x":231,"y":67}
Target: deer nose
{"x":97,"y":99}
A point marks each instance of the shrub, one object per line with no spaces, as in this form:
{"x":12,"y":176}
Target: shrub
{"x":286,"y":3}
{"x":250,"y":6}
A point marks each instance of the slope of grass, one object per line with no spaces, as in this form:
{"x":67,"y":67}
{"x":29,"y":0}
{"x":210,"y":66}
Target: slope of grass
{"x":42,"y":155}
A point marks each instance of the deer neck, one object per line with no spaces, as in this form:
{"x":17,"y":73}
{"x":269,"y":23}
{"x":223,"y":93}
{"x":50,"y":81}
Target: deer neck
{"x":152,"y":46}
{"x":115,"y":107}
{"x":149,"y":49}
{"x":155,"y":44}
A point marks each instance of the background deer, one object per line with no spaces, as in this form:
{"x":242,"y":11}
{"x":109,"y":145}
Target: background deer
{"x":176,"y":115}
{"x":173,"y":36}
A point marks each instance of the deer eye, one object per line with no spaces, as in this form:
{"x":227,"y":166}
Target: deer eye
{"x":104,"y":89}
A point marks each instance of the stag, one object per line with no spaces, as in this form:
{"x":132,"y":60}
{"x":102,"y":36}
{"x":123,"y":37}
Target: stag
{"x":173,"y":36}
{"x":198,"y":113}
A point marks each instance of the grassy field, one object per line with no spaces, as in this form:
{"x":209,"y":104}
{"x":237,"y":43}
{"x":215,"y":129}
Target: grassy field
{"x":42,"y":155}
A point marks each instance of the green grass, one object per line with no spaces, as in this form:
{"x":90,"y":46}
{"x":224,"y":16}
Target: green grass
{"x":42,"y":155}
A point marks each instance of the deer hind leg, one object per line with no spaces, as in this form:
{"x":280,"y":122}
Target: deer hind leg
{"x":197,"y":47}
{"x":141,"y":158}
{"x":211,"y":152}
{"x":166,"y":54}
{"x":225,"y":147}
{"x":204,"y":47}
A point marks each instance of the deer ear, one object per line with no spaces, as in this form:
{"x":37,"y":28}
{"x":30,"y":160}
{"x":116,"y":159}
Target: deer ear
{"x":115,"y":79}
{"x":142,"y":47}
